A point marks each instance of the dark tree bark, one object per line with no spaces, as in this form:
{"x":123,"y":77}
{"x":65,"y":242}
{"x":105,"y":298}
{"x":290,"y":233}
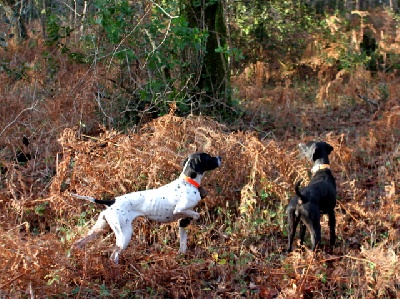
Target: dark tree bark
{"x":213,"y":79}
{"x":12,"y":11}
{"x":213,"y":82}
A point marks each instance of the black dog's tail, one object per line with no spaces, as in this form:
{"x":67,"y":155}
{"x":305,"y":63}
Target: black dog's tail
{"x":94,"y":200}
{"x":302,"y":199}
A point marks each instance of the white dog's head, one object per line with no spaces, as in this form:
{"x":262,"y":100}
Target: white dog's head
{"x":197,"y":163}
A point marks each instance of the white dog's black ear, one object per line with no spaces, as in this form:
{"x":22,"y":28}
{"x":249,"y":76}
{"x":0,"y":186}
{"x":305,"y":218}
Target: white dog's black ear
{"x":190,"y":166}
{"x":184,"y":161}
{"x":196,"y":165}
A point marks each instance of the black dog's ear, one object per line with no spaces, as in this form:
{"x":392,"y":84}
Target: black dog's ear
{"x":317,"y":153}
{"x":314,"y":152}
{"x":329,"y":148}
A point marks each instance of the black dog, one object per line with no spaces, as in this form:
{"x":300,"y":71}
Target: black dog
{"x":319,"y":197}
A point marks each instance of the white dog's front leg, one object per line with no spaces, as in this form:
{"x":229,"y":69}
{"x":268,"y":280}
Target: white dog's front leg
{"x":183,"y":239}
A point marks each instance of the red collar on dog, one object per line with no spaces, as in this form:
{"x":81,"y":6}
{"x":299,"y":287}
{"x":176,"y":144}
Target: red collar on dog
{"x":190,"y":181}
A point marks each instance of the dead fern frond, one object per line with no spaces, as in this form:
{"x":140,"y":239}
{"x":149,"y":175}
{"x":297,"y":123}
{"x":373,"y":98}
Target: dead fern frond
{"x":383,"y":268}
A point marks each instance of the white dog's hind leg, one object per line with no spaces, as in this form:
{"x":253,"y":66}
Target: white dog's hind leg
{"x":97,"y":229}
{"x":123,"y":234}
{"x":122,"y":241}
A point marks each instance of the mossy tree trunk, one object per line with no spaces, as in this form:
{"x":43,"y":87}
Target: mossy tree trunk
{"x":213,"y":83}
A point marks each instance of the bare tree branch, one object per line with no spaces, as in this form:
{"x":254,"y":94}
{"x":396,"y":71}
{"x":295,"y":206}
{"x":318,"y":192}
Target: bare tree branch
{"x":32,"y":107}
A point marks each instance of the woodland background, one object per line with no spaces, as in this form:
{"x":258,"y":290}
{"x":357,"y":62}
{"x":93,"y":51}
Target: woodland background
{"x":104,"y":97}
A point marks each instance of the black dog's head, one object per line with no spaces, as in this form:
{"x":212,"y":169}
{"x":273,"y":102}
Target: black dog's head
{"x":316,"y":151}
{"x":198,"y":163}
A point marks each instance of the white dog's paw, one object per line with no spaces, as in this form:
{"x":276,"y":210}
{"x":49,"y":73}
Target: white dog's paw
{"x":115,"y":256}
{"x":182,"y":249}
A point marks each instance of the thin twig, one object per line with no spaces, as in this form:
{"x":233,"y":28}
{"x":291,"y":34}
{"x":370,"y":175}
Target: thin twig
{"x":369,"y":101}
{"x":306,"y":274}
{"x":162,"y":9}
{"x":19,"y":114}
{"x":347,"y":211}
{"x":359,"y":259}
{"x":12,"y":280}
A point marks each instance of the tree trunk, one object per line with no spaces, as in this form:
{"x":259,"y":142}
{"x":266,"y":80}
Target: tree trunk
{"x":213,"y":82}
{"x":17,"y":26}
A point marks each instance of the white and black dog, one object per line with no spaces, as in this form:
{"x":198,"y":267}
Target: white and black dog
{"x":171,"y":202}
{"x":318,"y":198}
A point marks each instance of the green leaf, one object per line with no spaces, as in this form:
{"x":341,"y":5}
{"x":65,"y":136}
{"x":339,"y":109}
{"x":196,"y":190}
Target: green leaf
{"x":221,"y":262}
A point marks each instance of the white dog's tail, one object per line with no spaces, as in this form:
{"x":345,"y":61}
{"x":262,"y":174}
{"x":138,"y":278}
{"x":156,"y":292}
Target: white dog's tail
{"x":94,"y":200}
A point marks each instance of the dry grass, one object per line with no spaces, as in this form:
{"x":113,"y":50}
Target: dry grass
{"x":237,"y":248}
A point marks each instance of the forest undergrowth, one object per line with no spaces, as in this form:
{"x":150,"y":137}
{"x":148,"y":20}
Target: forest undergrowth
{"x":237,"y":249}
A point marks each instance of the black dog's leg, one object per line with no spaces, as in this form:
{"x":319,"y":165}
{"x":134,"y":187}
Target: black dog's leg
{"x":302,"y":232}
{"x":293,"y":222}
{"x":332,"y":224}
{"x":314,"y":226}
{"x":316,"y":234}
